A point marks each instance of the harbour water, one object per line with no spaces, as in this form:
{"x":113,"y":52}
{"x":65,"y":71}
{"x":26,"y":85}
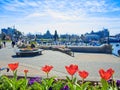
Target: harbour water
{"x":116,"y":47}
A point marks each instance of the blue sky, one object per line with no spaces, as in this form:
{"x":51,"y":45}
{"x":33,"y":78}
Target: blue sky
{"x":65,"y":16}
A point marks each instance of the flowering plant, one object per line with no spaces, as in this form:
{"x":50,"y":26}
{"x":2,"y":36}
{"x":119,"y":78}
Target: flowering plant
{"x":13,"y":83}
{"x":105,"y":76}
{"x":13,"y":67}
{"x":47,"y":69}
{"x":52,"y":83}
{"x":72,"y":83}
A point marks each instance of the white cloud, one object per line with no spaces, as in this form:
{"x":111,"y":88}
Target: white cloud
{"x":31,"y":3}
{"x":58,"y":15}
{"x":64,"y":6}
{"x":72,"y":15}
{"x":36,"y":15}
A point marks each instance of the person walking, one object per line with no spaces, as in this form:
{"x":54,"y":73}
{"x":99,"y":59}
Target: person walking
{"x":13,"y":44}
{"x":4,"y":43}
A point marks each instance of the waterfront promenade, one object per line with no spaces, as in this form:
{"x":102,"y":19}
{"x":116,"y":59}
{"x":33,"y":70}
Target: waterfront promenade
{"x":86,"y":61}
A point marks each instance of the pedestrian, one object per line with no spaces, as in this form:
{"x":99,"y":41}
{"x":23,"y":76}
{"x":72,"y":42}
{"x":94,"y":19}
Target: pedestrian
{"x":4,"y":44}
{"x":32,"y":45}
{"x":13,"y":44}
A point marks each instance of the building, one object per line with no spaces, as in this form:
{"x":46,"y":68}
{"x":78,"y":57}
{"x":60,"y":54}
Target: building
{"x":48,"y":35}
{"x":11,"y":33}
{"x":96,"y":36}
{"x":102,"y":33}
{"x":8,"y":32}
{"x":90,"y":37}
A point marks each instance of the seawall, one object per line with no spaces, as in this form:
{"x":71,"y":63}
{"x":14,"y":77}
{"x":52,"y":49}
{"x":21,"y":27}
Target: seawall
{"x":92,"y":49}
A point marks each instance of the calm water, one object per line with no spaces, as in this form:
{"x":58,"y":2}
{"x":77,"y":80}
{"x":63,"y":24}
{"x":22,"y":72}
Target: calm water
{"x":116,"y":47}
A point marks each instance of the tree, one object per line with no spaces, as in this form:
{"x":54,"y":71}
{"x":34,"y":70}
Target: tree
{"x":17,"y":34}
{"x":82,"y":37}
{"x":3,"y":36}
{"x":55,"y":36}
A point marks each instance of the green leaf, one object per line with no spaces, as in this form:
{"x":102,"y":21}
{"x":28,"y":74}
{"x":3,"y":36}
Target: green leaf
{"x":74,"y":80}
{"x":70,"y":85}
{"x":47,"y":82}
{"x":6,"y":83}
{"x":85,"y":85}
{"x":57,"y":85}
{"x":36,"y":86}
{"x":78,"y":87}
{"x":68,"y":79}
{"x":105,"y":85}
{"x":22,"y":83}
{"x":15,"y":74}
{"x":111,"y":88}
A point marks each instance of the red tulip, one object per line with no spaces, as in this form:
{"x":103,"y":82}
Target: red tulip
{"x":111,"y":71}
{"x":13,"y":66}
{"x":83,"y":74}
{"x":47,"y":68}
{"x":106,"y":75}
{"x":72,"y":69}
{"x":25,"y":71}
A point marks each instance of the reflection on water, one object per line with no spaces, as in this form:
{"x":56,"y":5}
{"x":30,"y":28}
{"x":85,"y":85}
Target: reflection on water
{"x":116,"y":47}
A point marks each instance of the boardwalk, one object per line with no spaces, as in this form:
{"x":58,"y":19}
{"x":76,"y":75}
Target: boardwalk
{"x":86,"y":61}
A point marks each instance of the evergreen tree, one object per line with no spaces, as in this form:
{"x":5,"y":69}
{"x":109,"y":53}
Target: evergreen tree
{"x":55,"y":36}
{"x":3,"y":36}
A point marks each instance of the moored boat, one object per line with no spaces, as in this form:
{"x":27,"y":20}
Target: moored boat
{"x":119,"y":52}
{"x":117,"y":45}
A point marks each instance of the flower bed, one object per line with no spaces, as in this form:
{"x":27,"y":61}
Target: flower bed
{"x":52,"y":83}
{"x":28,"y":51}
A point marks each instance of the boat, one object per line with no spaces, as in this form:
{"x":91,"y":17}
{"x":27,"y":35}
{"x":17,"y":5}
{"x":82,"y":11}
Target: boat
{"x":117,"y":45}
{"x":119,"y":52}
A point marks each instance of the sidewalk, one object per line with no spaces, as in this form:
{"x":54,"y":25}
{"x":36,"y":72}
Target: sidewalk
{"x":85,"y":61}
{"x":32,"y":71}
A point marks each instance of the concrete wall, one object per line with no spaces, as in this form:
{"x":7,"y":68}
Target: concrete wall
{"x":92,"y":49}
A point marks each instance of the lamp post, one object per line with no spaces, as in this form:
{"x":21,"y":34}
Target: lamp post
{"x":108,"y":40}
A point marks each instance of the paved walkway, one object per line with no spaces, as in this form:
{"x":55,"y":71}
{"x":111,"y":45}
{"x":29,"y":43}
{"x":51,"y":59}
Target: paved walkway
{"x":86,"y":61}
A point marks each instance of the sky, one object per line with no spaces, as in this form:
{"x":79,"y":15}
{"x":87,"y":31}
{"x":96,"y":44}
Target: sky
{"x":65,"y":16}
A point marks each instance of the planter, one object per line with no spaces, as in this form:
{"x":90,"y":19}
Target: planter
{"x":28,"y":52}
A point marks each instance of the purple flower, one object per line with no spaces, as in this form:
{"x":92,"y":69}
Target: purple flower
{"x":35,"y":79}
{"x":50,"y":88}
{"x":110,"y":81}
{"x":65,"y":88}
{"x":118,"y":83}
{"x":31,"y":81}
{"x":38,"y":79}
